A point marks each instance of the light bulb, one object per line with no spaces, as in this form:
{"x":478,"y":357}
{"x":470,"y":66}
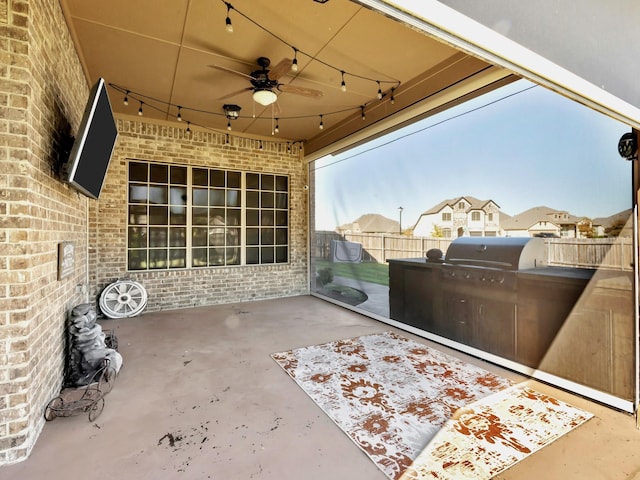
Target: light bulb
{"x":140,"y":109}
{"x":179,"y":114}
{"x":228,"y":25}
{"x":294,"y":65}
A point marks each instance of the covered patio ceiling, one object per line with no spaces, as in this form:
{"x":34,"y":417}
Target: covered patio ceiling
{"x":177,"y":57}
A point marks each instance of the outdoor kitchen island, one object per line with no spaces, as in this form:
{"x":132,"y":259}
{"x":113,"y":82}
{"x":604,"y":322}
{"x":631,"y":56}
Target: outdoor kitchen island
{"x":498,"y":296}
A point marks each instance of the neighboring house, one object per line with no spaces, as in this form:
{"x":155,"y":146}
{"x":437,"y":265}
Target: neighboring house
{"x":619,"y":224}
{"x":545,"y":221}
{"x":460,"y":216}
{"x":370,"y":223}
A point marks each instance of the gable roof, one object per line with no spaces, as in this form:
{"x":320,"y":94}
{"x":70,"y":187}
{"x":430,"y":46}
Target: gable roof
{"x":616,"y":217}
{"x":373,"y":223}
{"x":474,"y":204}
{"x":528,"y":218}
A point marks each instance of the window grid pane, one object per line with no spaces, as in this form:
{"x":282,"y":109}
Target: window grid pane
{"x":183,"y":217}
{"x":267,"y":219}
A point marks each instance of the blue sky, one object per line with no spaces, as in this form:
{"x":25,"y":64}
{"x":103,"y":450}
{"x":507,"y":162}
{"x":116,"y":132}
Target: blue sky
{"x":529,"y":149}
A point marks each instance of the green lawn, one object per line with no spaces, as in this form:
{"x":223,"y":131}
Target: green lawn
{"x":368,"y":272}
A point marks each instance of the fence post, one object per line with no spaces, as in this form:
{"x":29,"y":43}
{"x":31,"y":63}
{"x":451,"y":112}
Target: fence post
{"x":384,"y":248}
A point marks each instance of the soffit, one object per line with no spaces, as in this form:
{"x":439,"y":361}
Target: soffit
{"x":162,"y":52}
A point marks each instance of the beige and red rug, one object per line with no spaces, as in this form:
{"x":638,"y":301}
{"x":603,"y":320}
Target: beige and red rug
{"x":392,"y":396}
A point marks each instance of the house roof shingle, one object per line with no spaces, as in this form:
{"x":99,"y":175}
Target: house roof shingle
{"x":373,"y":223}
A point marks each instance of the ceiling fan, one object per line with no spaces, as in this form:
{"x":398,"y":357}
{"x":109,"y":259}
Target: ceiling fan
{"x":264,"y":82}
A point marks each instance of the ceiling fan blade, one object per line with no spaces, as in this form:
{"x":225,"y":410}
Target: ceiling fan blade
{"x":233,"y":94}
{"x":229,"y":70}
{"x":282,"y":68}
{"x":307,"y":92}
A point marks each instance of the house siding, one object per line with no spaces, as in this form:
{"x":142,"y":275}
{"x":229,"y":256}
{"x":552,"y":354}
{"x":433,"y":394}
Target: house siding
{"x":461,"y":220}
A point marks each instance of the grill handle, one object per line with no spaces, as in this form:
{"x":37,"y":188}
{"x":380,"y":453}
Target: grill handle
{"x":481,"y":263}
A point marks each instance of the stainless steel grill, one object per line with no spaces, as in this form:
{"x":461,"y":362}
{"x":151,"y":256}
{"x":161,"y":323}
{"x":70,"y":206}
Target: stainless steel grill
{"x":495,"y":294}
{"x":497,"y":252}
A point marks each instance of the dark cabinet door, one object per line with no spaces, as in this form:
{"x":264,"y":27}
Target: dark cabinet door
{"x":456,"y":321}
{"x":412,"y":295}
{"x":494,"y":327}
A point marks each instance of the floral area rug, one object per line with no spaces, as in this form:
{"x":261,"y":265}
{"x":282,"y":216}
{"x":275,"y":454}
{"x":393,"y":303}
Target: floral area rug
{"x":421,"y":414}
{"x":494,"y":433}
{"x":390,"y":394}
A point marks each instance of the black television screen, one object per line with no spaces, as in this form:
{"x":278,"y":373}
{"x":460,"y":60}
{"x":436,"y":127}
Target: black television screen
{"x":93,"y":146}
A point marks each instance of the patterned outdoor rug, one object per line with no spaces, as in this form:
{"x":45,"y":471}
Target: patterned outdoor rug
{"x":493,"y":434}
{"x":392,"y":395}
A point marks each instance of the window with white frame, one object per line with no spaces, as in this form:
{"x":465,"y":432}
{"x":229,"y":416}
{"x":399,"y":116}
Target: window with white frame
{"x":446,"y":216}
{"x":183,"y":217}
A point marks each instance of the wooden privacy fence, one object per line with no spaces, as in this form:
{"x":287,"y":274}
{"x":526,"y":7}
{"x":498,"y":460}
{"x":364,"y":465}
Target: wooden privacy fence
{"x":615,"y":252}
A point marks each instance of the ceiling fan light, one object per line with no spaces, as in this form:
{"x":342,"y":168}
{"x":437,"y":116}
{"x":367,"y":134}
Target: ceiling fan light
{"x":264,"y":97}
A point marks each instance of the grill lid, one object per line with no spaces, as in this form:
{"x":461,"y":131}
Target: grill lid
{"x":508,"y":253}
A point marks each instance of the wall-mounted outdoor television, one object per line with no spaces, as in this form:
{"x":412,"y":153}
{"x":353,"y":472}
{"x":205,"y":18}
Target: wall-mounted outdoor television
{"x":91,"y":152}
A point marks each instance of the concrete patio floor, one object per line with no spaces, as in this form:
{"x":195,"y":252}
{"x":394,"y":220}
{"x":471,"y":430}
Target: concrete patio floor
{"x":199,"y":397}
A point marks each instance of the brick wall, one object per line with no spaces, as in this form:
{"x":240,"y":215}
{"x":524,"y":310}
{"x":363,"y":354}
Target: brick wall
{"x":43,"y":92}
{"x":42,"y":96}
{"x":174,"y":289}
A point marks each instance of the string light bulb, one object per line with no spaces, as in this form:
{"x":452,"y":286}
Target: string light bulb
{"x":228,"y":124}
{"x":294,"y":64}
{"x":188,"y":132}
{"x":276,"y":129}
{"x":392,"y":99}
{"x":179,"y":117}
{"x":379,"y":90}
{"x":140,"y":109}
{"x":228,"y":24}
{"x":126,"y":98}
{"x":321,"y":126}
{"x":343,"y":85}
{"x":363,"y":115}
